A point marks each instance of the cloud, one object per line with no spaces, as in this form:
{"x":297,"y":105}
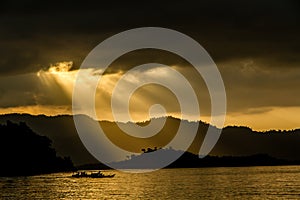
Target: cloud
{"x":54,"y":88}
{"x":255,"y":45}
{"x":266,"y":118}
{"x":248,"y":85}
{"x":249,"y":88}
{"x":48,"y":110}
{"x":35,"y":34}
{"x":41,"y":88}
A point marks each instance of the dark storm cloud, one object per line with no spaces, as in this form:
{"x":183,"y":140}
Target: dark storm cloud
{"x":29,"y":90}
{"x":250,"y":86}
{"x":35,"y":34}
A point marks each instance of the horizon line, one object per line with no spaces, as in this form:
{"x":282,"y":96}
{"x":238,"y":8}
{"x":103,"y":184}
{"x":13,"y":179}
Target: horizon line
{"x":148,"y":120}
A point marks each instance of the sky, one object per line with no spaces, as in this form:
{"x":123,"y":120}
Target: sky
{"x":255,"y":45}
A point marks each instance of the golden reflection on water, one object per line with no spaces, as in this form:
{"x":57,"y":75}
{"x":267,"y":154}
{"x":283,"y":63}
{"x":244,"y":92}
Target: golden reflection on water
{"x":222,"y":183}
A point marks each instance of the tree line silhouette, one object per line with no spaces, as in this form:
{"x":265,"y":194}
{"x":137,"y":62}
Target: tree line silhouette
{"x":234,"y":141}
{"x":23,"y":152}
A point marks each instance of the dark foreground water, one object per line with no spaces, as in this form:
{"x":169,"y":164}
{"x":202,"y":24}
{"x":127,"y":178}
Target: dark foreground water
{"x":206,"y":183}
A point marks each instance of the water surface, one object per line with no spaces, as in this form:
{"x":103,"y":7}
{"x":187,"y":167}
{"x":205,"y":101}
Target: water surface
{"x":281,"y":182}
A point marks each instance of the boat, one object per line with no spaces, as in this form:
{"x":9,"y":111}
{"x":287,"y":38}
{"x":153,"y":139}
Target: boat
{"x":92,"y":175}
{"x":101,"y":175}
{"x":80,"y":175}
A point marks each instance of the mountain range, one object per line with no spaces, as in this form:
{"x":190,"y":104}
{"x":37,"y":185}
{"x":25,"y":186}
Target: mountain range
{"x":234,"y":140}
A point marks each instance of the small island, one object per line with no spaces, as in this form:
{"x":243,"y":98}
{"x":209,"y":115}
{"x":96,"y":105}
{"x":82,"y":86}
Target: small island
{"x":25,"y":153}
{"x":152,"y":158}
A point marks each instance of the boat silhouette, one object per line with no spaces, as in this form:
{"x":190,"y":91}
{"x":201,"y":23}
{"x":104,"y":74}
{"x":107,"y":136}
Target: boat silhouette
{"x":98,"y":174}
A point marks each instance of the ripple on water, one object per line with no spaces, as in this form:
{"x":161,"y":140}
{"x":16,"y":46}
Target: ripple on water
{"x":282,"y":182}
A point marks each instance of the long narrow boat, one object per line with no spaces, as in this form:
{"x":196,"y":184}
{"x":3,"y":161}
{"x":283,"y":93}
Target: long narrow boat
{"x":92,"y":175}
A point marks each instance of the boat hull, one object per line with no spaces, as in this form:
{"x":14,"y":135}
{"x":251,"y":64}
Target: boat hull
{"x":92,"y":175}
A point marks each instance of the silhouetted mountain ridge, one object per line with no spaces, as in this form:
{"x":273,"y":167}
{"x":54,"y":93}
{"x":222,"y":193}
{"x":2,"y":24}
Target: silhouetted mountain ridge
{"x":190,"y":160}
{"x":234,"y":140}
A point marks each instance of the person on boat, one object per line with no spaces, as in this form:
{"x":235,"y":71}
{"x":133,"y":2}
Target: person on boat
{"x":83,"y":174}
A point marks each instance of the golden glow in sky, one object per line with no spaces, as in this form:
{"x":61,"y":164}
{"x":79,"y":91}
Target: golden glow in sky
{"x":52,"y":95}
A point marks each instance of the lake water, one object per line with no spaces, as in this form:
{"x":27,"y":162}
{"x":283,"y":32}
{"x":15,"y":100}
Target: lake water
{"x":281,"y":182}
